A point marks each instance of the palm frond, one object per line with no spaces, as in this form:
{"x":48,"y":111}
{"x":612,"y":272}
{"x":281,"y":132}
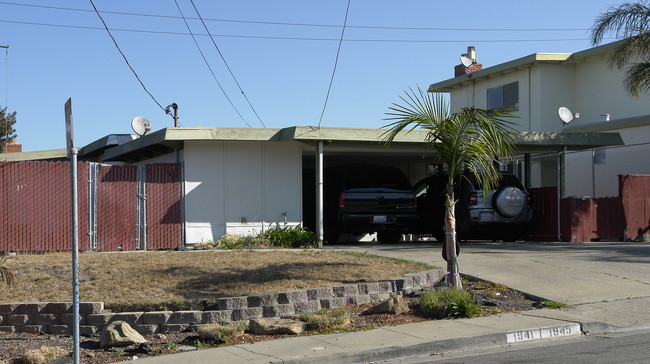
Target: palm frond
{"x":637,"y":79}
{"x":624,"y":21}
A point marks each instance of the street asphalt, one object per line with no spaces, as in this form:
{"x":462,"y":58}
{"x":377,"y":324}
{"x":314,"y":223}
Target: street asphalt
{"x":605,"y":284}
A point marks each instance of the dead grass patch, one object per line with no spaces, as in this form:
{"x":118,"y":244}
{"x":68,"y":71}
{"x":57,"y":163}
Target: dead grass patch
{"x":179,"y":280}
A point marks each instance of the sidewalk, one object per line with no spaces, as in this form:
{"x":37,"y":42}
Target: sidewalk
{"x":606,"y":285}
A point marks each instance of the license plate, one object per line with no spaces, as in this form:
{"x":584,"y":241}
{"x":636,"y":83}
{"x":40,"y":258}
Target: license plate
{"x":379,"y":219}
{"x":486,"y":216}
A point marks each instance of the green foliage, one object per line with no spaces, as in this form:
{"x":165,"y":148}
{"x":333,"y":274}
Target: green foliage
{"x":290,"y":237}
{"x":221,"y":333}
{"x":7,"y":131}
{"x":6,"y":276}
{"x":325,"y":320}
{"x":552,"y":304}
{"x":449,"y":303}
{"x":170,"y":346}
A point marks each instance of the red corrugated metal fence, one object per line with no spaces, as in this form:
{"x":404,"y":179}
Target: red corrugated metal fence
{"x":163,"y":206}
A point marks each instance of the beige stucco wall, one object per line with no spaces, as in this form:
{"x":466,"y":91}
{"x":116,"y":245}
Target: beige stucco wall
{"x":240,"y":187}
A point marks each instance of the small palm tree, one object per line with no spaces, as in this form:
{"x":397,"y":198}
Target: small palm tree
{"x":6,"y":276}
{"x":630,"y":21}
{"x":467,"y":141}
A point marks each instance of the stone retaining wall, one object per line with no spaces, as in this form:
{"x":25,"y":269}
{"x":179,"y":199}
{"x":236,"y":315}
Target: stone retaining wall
{"x":56,"y":317}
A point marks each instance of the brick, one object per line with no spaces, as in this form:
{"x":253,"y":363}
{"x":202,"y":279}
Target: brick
{"x":378,"y":297}
{"x":368,"y":288}
{"x":232,"y":303}
{"x":346,"y":290}
{"x":89,"y":330}
{"x":68,"y":319}
{"x":173,"y":328}
{"x":320,"y":293}
{"x":30,"y":308}
{"x":359,"y":299}
{"x":156,"y":317}
{"x":131,"y":318}
{"x":331,"y":303}
{"x":7,"y":308}
{"x":292,"y":297}
{"x":58,"y":307}
{"x":91,"y":308}
{"x":61,"y":330}
{"x":18,"y":320}
{"x":146,"y":329}
{"x":311,"y":306}
{"x":386,"y":286}
{"x":434,"y":276}
{"x":8,"y":329}
{"x":419,"y":279}
{"x":34,"y":329}
{"x":46,"y":319}
{"x":402,"y":283}
{"x":185,"y":317}
{"x":279,"y":310}
{"x":2,"y":319}
{"x":263,"y":300}
{"x":247,"y":313}
{"x":101,"y":319}
{"x":216,"y":317}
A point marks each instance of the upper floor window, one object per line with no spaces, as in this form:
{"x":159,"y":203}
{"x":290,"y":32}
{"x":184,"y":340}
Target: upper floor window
{"x":506,"y":96}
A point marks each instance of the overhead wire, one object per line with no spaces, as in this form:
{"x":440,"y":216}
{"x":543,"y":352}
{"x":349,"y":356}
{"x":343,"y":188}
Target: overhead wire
{"x":336,"y":61}
{"x":125,"y":59}
{"x":296,"y":24}
{"x":208,"y":64}
{"x":226,"y":63}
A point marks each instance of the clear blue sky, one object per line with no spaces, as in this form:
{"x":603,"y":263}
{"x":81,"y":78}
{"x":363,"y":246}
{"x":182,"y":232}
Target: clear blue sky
{"x":283,"y":69}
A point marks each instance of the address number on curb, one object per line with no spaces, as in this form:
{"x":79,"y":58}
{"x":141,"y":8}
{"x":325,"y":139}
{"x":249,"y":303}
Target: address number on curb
{"x":542,"y":333}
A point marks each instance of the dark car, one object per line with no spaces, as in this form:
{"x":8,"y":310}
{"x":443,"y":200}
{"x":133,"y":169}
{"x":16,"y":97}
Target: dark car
{"x":502,"y":214}
{"x":362,"y":199}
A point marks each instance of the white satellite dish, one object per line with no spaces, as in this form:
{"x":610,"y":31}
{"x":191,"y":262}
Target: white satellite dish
{"x":466,"y":61}
{"x":141,"y":125}
{"x":566,"y":115}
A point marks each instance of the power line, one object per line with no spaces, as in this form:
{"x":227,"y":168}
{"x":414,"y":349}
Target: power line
{"x":226,"y":63}
{"x":208,"y":64}
{"x":302,"y":38}
{"x":126,"y":60}
{"x":336,"y":61}
{"x":299,"y":24}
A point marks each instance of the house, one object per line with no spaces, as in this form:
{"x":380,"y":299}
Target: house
{"x":536,"y":87}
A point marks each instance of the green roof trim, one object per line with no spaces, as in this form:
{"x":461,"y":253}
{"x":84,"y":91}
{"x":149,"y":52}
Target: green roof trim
{"x":52,"y":154}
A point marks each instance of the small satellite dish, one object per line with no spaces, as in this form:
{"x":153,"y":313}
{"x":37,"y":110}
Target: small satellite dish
{"x":466,"y":61}
{"x":565,"y":114}
{"x":141,"y":125}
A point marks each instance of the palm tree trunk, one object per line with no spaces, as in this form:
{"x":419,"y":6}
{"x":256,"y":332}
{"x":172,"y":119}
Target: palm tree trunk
{"x":451,"y":242}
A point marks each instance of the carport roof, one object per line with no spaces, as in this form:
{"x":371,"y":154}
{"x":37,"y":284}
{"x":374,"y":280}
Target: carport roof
{"x":168,"y":140}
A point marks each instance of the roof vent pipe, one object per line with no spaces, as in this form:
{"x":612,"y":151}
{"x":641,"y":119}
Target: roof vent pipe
{"x":471,"y":53}
{"x":604,"y":117}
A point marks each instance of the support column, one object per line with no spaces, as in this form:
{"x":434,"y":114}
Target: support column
{"x":527,"y":170}
{"x":319,"y":193}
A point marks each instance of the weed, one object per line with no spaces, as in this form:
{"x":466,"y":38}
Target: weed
{"x":42,"y":355}
{"x":221,"y":333}
{"x":169,"y":346}
{"x":325,"y":320}
{"x":449,"y":303}
{"x":6,"y":276}
{"x":552,"y":304}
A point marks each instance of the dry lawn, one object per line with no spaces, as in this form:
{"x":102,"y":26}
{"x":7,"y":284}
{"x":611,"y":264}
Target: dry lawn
{"x":179,"y":280}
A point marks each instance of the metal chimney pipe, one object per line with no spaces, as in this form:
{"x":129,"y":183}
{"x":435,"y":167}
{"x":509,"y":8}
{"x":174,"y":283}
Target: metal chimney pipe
{"x":471,"y":53}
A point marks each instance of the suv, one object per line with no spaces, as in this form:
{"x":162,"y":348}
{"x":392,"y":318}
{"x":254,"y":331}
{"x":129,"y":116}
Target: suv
{"x":502,"y":214}
{"x":366,"y":199}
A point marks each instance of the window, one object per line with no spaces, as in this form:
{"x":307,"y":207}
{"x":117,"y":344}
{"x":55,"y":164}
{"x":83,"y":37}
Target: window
{"x":506,"y":96}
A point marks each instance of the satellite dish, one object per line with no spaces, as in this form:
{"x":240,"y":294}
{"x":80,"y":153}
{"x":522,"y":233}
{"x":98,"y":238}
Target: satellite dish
{"x":141,"y":125}
{"x":466,"y":61}
{"x":565,"y":114}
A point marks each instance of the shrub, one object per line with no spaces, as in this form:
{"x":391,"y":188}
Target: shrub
{"x":327,"y":320}
{"x":290,"y":237}
{"x":449,"y":303}
{"x":42,"y":355}
{"x":221,"y":333}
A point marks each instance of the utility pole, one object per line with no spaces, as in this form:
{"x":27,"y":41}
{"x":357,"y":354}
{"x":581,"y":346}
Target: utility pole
{"x":175,"y":116}
{"x":6,"y":47}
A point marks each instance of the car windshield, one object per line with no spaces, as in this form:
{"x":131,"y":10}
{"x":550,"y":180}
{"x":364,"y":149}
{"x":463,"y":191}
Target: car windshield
{"x":376,"y":178}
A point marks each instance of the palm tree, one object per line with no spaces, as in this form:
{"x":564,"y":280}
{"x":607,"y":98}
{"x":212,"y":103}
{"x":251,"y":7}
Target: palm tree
{"x":630,"y":21}
{"x":468,"y":141}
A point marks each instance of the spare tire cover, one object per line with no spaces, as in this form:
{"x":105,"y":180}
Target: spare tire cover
{"x":509,"y":201}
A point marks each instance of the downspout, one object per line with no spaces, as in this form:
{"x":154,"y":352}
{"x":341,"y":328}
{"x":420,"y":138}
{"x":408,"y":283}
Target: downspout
{"x":319,"y":194}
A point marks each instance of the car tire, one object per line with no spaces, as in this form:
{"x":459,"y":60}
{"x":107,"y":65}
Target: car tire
{"x":389,"y":237}
{"x":509,"y":201}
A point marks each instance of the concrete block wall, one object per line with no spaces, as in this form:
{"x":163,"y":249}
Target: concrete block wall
{"x":56,"y":317}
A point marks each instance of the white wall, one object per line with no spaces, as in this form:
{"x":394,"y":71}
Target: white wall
{"x":240,"y":187}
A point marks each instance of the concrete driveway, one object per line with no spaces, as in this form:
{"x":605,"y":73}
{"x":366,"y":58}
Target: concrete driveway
{"x":574,"y":273}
